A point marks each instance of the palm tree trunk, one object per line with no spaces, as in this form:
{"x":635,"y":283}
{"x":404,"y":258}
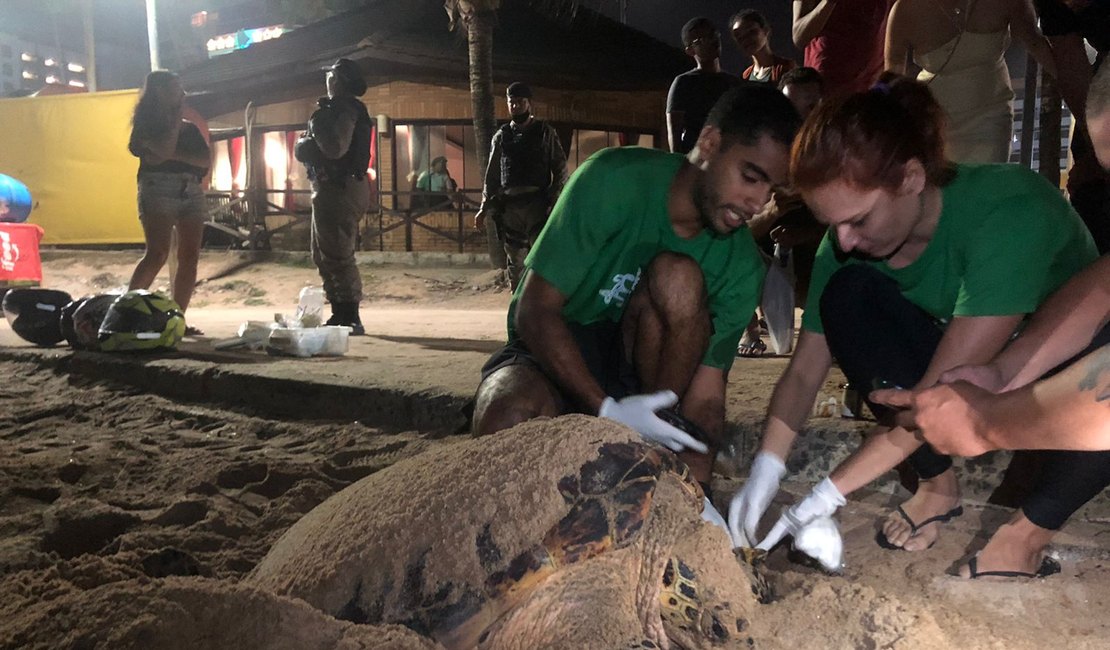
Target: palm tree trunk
{"x":480,"y":42}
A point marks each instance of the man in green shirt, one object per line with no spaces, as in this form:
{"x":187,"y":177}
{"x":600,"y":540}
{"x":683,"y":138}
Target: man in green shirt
{"x":640,"y":285}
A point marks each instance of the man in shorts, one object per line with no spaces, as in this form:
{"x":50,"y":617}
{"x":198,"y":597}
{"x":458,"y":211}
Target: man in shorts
{"x":638,"y":288}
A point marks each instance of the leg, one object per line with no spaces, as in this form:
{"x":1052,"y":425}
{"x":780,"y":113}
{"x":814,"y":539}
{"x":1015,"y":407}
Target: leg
{"x":751,"y":344}
{"x":189,"y":234}
{"x":875,"y":333}
{"x":1068,"y":479}
{"x":521,"y":222}
{"x":156,"y":231}
{"x":666,"y":325}
{"x":516,"y":249}
{"x":494,"y":245}
{"x":666,"y":329}
{"x":511,"y":395}
{"x":336,"y":211}
{"x":1061,"y":483}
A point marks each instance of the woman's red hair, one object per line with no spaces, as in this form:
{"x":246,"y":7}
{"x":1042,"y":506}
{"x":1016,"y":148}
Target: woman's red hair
{"x":867,"y":138}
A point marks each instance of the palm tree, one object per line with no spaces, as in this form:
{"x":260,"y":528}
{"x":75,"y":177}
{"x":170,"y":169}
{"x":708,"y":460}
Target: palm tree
{"x":478,"y":17}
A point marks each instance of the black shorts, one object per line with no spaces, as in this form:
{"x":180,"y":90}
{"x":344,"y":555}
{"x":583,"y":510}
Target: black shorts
{"x":602,"y":348}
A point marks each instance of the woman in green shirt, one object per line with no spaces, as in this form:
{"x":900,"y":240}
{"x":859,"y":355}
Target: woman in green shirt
{"x":927,"y":266}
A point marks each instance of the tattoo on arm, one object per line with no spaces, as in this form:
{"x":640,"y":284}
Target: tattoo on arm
{"x":1098,"y":374}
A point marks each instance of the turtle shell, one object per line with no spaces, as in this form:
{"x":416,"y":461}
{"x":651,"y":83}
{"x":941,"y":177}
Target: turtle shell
{"x":445,"y":542}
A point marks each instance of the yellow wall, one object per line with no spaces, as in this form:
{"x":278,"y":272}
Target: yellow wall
{"x":71,"y":152}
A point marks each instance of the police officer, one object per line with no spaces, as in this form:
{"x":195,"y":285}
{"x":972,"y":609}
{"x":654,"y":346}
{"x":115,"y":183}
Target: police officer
{"x":336,"y":152}
{"x":527,"y":170}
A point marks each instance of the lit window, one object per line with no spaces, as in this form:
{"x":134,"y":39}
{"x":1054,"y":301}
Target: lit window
{"x":76,"y":83}
{"x":27,"y":57}
{"x":27,"y":74}
{"x":51,"y":79}
{"x":75,"y":67}
{"x":49,"y":62}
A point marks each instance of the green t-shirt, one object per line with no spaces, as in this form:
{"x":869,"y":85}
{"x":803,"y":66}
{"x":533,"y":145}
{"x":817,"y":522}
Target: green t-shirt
{"x":1005,"y":240}
{"x":611,"y":220}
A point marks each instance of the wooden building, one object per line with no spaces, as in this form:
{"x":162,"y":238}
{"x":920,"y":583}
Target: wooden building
{"x":600,"y":83}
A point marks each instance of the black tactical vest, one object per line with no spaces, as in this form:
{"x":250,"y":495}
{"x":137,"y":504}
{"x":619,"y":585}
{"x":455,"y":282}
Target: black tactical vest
{"x":351,"y":164}
{"x":522,"y":157}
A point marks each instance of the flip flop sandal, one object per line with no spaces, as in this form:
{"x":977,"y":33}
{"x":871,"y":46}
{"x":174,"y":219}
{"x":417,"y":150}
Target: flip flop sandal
{"x":881,"y":539}
{"x":1048,"y":567}
{"x":756,"y":348}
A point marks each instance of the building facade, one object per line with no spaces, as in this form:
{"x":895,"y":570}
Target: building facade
{"x":599,"y":83}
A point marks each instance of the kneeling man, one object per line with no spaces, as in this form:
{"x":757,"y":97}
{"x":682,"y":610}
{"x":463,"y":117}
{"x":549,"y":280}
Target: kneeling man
{"x":641,"y":283}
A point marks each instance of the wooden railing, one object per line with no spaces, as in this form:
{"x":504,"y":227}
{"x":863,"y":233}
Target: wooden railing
{"x":244,"y":215}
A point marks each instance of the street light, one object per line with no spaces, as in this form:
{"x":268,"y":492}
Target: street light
{"x":90,"y":46}
{"x":152,"y":33}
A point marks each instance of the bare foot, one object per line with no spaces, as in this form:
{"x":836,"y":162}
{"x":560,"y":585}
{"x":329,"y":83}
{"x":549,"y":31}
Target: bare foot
{"x":935,"y":496}
{"x":1017,"y":545}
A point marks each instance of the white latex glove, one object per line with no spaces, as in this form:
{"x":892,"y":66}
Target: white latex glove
{"x":820,"y":540}
{"x":638,"y":412}
{"x":801,"y":520}
{"x":751,"y":501}
{"x":710,"y":514}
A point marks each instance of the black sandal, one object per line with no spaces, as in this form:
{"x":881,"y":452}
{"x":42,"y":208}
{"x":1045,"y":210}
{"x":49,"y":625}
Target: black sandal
{"x":1049,"y":566}
{"x":881,"y":539}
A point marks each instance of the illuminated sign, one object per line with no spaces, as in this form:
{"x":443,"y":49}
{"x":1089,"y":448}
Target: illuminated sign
{"x":242,"y":39}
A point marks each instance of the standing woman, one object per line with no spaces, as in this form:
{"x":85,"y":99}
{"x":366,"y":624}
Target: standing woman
{"x":961,"y":46}
{"x":173,"y":158}
{"x":927,"y":266}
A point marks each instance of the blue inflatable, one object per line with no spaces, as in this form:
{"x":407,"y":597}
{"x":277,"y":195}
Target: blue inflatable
{"x":15,"y":200}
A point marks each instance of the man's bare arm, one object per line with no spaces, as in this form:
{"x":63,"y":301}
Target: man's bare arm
{"x":1070,"y":410}
{"x":540,"y":323}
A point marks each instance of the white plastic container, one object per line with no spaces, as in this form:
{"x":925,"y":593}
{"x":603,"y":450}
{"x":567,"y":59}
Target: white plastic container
{"x":310,"y":307}
{"x":330,"y":341}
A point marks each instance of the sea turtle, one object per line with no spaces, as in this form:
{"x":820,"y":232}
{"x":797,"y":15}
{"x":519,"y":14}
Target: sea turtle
{"x":563,"y":533}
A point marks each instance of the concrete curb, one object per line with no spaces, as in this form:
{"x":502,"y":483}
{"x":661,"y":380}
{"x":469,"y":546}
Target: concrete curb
{"x":299,"y":258}
{"x":376,"y":406}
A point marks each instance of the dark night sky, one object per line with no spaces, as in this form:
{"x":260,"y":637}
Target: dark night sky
{"x":123,"y":21}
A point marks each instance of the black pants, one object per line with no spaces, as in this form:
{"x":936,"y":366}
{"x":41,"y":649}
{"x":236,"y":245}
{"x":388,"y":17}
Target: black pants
{"x":876,"y":333}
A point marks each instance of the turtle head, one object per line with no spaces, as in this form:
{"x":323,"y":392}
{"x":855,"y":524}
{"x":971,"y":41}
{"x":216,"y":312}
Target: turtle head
{"x":706,"y":599}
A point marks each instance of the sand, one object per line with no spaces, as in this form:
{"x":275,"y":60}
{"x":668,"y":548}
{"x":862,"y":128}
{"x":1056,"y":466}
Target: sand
{"x":130,"y":521}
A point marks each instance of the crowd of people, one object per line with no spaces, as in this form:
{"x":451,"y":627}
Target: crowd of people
{"x":967,"y":292}
{"x":964,"y":295}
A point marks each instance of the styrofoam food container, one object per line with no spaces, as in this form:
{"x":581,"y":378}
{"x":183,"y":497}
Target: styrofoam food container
{"x":327,"y":341}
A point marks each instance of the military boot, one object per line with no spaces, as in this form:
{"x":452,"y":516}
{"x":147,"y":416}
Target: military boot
{"x":346,"y":314}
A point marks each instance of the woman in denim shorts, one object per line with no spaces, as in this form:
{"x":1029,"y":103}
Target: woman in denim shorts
{"x":174,"y":157}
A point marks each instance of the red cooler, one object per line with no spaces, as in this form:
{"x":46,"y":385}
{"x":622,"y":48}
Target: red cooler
{"x":20,"y":264}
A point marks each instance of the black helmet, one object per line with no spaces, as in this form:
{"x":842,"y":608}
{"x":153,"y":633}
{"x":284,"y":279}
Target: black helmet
{"x":87,"y":319}
{"x":33,"y":314}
